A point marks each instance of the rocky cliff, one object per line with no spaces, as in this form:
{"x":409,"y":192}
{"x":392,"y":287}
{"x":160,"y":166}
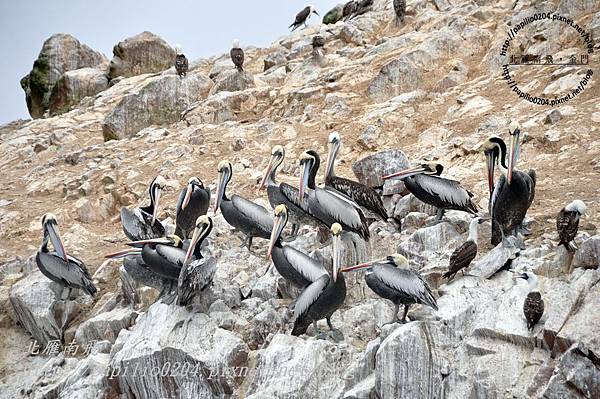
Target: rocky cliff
{"x":428,"y":88}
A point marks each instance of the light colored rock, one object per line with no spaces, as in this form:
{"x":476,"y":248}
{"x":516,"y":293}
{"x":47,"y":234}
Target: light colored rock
{"x":139,"y":54}
{"x":105,"y":326}
{"x":371,"y":169}
{"x":74,"y":86}
{"x":232,"y":80}
{"x":495,"y":259}
{"x":588,"y":254}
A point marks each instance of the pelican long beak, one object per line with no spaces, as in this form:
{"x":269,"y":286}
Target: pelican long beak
{"x":141,"y":243}
{"x":278,"y":227}
{"x":198,"y":232}
{"x":124,"y":253}
{"x":56,"y":241}
{"x":336,"y":256}
{"x":405,"y":173}
{"x":514,"y":154}
{"x":188,"y":194}
{"x":304,"y":174}
{"x":156,"y":202}
{"x":491,"y":165}
{"x":333,"y":150}
{"x":266,"y":175}
{"x":365,"y":265}
{"x":220,"y":191}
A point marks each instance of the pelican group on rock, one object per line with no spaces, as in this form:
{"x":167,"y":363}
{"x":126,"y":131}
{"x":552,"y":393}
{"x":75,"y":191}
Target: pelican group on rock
{"x":193,"y":201}
{"x":567,"y":223}
{"x":142,"y":223}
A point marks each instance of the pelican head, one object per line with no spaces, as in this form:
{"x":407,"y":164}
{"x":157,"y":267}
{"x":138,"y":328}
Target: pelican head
{"x":576,"y":206}
{"x":224,"y":170}
{"x":335,"y":143}
{"x":432,"y":169}
{"x":514,"y":129}
{"x":277,"y":156}
{"x":50,"y":227}
{"x":204,"y":225}
{"x":307,"y":162}
{"x":336,"y":231}
{"x":395,"y":260}
{"x":236,"y":44}
{"x":192,"y":183}
{"x":494,"y":149}
{"x":156,"y":187}
{"x":280,"y":220}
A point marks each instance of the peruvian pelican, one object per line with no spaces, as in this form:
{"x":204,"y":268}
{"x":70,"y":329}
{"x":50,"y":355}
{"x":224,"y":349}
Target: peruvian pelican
{"x":142,"y":223}
{"x":302,"y":17}
{"x":194,"y":201}
{"x":533,"y":306}
{"x":327,"y":205}
{"x":567,"y":223}
{"x":66,"y":270}
{"x":293,"y":265}
{"x":251,"y":219}
{"x":390,"y":278}
{"x":425,"y":183}
{"x":364,"y":196}
{"x":324,"y":296}
{"x":462,"y":256}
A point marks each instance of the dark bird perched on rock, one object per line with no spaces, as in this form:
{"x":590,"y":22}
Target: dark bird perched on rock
{"x":567,"y":223}
{"x":363,"y":7}
{"x":513,"y":194}
{"x":141,"y":223}
{"x":318,"y":44}
{"x":349,"y":9}
{"x":400,"y":10}
{"x":197,"y":271}
{"x":318,"y":41}
{"x":68,"y":271}
{"x":302,"y":17}
{"x":533,"y":307}
{"x":390,"y":278}
{"x":251,"y":219}
{"x":425,"y":183}
{"x":324,"y":296}
{"x":237,"y":55}
{"x":193,"y":201}
{"x":462,"y":256}
{"x":181,"y":62}
{"x":363,"y":195}
{"x":333,"y":15}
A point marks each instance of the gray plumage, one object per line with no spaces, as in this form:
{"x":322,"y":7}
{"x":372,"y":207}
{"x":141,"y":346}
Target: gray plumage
{"x":137,"y":222}
{"x":197,"y":206}
{"x":194,"y":278}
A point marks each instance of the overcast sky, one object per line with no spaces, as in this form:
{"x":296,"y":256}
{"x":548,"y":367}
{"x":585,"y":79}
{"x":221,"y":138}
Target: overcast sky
{"x":203,"y":28}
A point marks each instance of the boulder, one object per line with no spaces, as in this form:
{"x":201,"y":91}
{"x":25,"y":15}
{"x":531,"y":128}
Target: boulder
{"x":73,"y":86}
{"x":495,"y":259}
{"x":333,"y":15}
{"x":372,"y":168}
{"x":60,"y":53}
{"x":143,"y":53}
{"x":232,"y":80}
{"x":105,"y":325}
{"x":396,"y":77}
{"x":588,"y":254}
{"x":160,"y":101}
{"x":276,"y":58}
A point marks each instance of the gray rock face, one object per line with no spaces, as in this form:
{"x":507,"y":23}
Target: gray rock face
{"x":495,"y":259}
{"x":371,"y":169}
{"x":233,"y":80}
{"x":396,"y":77}
{"x":588,"y":255}
{"x":59,"y":54}
{"x":160,"y":101}
{"x":106,"y":325}
{"x":143,"y":53}
{"x":73,"y":86}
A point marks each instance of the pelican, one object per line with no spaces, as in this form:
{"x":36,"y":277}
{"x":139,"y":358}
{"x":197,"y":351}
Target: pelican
{"x":181,"y":62}
{"x":390,"y":278}
{"x":400,"y":10}
{"x":514,"y":192}
{"x":327,"y":205}
{"x":302,"y":17}
{"x":293,"y":265}
{"x":283,"y":193}
{"x":364,"y":196}
{"x":533,"y":307}
{"x":66,"y":270}
{"x":567,"y":223}
{"x":324,"y":296}
{"x":194,"y":201}
{"x":251,"y":219}
{"x":237,"y":55}
{"x":462,"y":256}
{"x":425,"y":183}
{"x":197,"y":272}
{"x":142,"y":223}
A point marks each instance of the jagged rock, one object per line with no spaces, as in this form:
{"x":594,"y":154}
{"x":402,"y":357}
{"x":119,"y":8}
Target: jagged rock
{"x":593,"y":27}
{"x":228,"y":106}
{"x":495,"y":259}
{"x":396,"y":77}
{"x":233,"y":80}
{"x":553,"y":117}
{"x":139,"y":54}
{"x":428,"y":241}
{"x":276,"y":58}
{"x":410,"y":203}
{"x":588,"y":254}
{"x":208,"y":358}
{"x":369,"y":137}
{"x":60,"y":53}
{"x":75,"y":85}
{"x":371,"y":169}
{"x":105,"y":325}
{"x":158,"y":102}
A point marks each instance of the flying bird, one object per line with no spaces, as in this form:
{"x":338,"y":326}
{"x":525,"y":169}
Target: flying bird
{"x":181,"y":62}
{"x":400,"y":10}
{"x":142,"y":223}
{"x":425,"y":183}
{"x":567,"y":223}
{"x":390,"y":278}
{"x":302,"y":17}
{"x":533,"y":307}
{"x":462,"y":256}
{"x":193,"y":201}
{"x":66,"y":270}
{"x":237,"y":55}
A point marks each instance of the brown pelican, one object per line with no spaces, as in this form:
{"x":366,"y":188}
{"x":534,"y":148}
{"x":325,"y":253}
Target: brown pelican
{"x":514,"y":192}
{"x":251,"y":219}
{"x":425,"y":183}
{"x":197,"y":272}
{"x":164,"y":255}
{"x":237,"y":55}
{"x":349,"y":9}
{"x":364,"y":196}
{"x":567,"y":223}
{"x":181,"y":62}
{"x":194,"y":201}
{"x":66,"y":270}
{"x":141,"y":223}
{"x":302,"y":17}
{"x":390,"y":278}
{"x":400,"y":10}
{"x":324,"y":296}
{"x":327,"y":205}
{"x":283,"y":193}
{"x":533,"y":307}
{"x":293,"y":265}
{"x":462,"y":256}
